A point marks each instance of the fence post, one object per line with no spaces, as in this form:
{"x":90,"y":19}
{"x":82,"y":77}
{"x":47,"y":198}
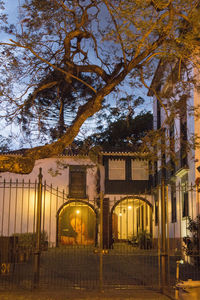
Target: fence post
{"x":38,"y":232}
{"x":101,"y":244}
{"x":163,"y":235}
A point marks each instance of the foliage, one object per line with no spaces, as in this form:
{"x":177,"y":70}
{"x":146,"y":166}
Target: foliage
{"x":49,"y":112}
{"x":123,"y":133}
{"x":5,"y":143}
{"x":104,"y":45}
{"x":143,"y":240}
{"x":192,"y":242}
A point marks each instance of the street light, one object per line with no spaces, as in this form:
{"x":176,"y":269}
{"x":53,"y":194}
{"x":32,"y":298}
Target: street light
{"x":178,"y":262}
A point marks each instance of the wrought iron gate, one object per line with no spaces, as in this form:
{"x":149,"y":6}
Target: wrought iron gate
{"x":50,"y":240}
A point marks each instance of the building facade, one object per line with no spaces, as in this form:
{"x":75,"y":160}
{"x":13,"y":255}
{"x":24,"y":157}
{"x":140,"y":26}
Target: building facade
{"x":76,"y":193}
{"x":177,"y":167}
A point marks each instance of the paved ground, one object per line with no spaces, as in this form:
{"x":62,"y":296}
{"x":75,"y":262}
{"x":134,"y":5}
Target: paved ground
{"x":62,"y":269}
{"x":136,"y":294}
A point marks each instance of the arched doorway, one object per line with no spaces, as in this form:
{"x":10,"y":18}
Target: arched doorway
{"x":131,"y":216}
{"x":76,"y":223}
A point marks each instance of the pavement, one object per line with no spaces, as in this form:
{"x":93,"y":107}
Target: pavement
{"x":114,"y":294}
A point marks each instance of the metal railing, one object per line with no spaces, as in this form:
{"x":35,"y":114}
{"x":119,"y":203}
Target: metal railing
{"x":33,"y":252}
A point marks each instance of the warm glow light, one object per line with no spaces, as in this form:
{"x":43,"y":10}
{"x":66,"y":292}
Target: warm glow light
{"x":120,"y":214}
{"x":129,"y":207}
{"x":78,"y":211}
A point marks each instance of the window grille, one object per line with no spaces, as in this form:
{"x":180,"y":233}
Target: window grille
{"x":116,"y":169}
{"x":140,"y":170}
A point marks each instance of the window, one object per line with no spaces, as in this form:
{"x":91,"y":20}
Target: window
{"x":77,"y":181}
{"x":183,"y":131}
{"x":140,"y":170}
{"x":156,"y":207}
{"x":172,"y":148}
{"x":163,"y":152}
{"x":116,"y":169}
{"x":185,"y":206}
{"x":173,"y":205}
{"x":158,"y":115}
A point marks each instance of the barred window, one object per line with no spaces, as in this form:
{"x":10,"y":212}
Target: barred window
{"x":77,"y":181}
{"x":140,"y":169}
{"x":156,"y":208}
{"x":173,"y":206}
{"x":116,"y":169}
{"x":185,"y":205}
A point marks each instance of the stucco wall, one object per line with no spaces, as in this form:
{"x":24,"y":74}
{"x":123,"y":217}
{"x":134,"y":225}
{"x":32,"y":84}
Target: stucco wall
{"x":18,"y":195}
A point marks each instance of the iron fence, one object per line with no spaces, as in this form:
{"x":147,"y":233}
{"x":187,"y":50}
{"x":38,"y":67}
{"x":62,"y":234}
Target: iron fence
{"x":50,"y":240}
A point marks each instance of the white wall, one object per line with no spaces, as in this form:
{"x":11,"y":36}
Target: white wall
{"x":18,"y":205}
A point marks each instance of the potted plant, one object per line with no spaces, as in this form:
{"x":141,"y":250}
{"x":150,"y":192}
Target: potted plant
{"x":144,"y":240}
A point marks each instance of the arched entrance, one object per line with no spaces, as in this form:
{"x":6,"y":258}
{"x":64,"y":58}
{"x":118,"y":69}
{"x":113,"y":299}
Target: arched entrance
{"x":131,"y":216}
{"x":76,"y":223}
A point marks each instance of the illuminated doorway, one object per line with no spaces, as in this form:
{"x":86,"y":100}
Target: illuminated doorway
{"x":130,"y":217}
{"x":76,"y":224}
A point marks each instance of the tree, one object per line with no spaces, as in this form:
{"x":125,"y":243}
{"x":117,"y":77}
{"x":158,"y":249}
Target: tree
{"x":109,"y":41}
{"x":124,"y":133}
{"x":192,"y":243}
{"x":47,"y":114}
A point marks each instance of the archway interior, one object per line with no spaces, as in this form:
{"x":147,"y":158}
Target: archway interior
{"x":130,"y":218}
{"x":77,"y":224}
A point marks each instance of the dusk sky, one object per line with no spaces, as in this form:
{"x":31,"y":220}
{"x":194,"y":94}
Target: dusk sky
{"x":11,"y":8}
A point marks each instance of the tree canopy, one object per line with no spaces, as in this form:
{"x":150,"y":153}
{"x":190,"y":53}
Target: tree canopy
{"x":104,"y":41}
{"x":124,"y":134}
{"x":46,"y":114}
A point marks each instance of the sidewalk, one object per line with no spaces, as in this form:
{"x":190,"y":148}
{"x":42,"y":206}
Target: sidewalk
{"x":136,"y":294}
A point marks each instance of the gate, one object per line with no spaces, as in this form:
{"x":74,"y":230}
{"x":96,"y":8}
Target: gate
{"x":50,"y":240}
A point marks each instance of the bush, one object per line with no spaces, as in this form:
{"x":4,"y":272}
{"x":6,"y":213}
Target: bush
{"x":144,"y":240}
{"x":192,"y":242}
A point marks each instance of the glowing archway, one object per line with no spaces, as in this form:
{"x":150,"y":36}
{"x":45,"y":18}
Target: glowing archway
{"x":76,"y":223}
{"x":131,"y":216}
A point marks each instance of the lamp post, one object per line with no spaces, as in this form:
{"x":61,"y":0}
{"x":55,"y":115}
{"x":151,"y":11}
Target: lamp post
{"x":178,"y":262}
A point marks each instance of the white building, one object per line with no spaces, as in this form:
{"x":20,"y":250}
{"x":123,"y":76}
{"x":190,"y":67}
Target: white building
{"x":72,"y":187}
{"x":178,"y":159}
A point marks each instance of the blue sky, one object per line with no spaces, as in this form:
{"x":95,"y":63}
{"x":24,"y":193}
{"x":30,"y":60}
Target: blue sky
{"x":12,"y":6}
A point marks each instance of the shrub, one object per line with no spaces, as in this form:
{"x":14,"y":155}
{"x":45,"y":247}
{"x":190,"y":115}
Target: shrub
{"x":192,"y":242}
{"x":144,"y":240}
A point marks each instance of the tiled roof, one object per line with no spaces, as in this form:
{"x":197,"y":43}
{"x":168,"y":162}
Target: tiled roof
{"x":123,"y":153}
{"x":78,"y":152}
